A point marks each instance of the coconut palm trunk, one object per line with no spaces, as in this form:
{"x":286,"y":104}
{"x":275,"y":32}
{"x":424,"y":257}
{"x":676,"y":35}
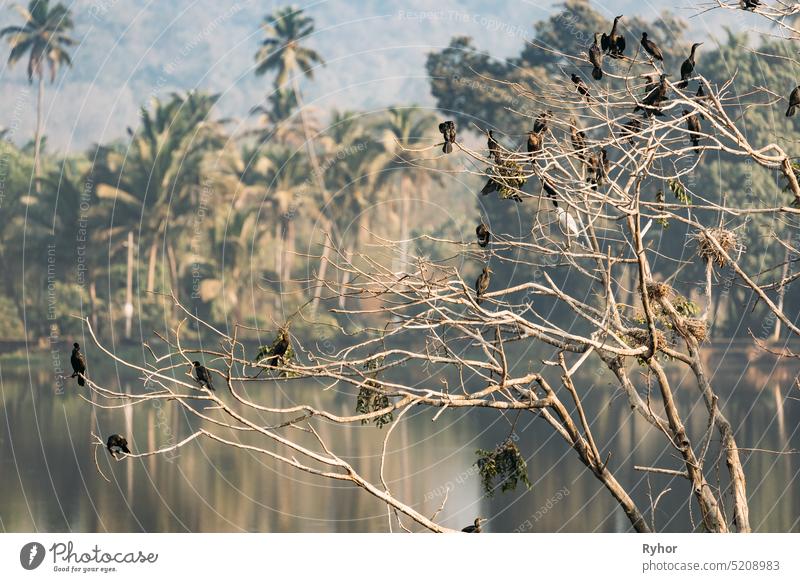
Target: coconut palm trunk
{"x":37,"y":138}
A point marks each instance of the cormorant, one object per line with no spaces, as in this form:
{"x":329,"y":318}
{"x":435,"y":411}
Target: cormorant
{"x":687,"y":68}
{"x":550,"y":190}
{"x":631,"y":128}
{"x":596,"y":58}
{"x":535,"y":141}
{"x":613,"y":43}
{"x":448,"y":131}
{"x":541,"y":121}
{"x":749,"y":4}
{"x":693,"y":125}
{"x":129,"y":130}
{"x":597,"y":167}
{"x":202,"y":375}
{"x":794,"y":102}
{"x":278,"y":350}
{"x":582,"y":88}
{"x":491,"y":186}
{"x":652,"y":48}
{"x":482,"y":284}
{"x":654,"y":97}
{"x":78,"y":362}
{"x":578,"y":140}
{"x":483,"y":233}
{"x":117,"y":444}
{"x":476,"y":527}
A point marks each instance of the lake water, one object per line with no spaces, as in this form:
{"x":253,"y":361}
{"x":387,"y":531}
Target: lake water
{"x":49,"y":481}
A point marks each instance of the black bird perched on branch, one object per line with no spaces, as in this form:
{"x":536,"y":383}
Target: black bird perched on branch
{"x":482,"y":284}
{"x":278,"y":349}
{"x":794,"y":101}
{"x":749,"y":4}
{"x":535,"y":141}
{"x":654,"y":97}
{"x":693,"y":125}
{"x":202,"y":375}
{"x":578,"y":139}
{"x":483,"y":233}
{"x":613,"y":43}
{"x":448,"y":131}
{"x":631,"y":128}
{"x":491,"y":185}
{"x":540,"y":125}
{"x":476,"y":527}
{"x":117,"y":444}
{"x":582,"y":88}
{"x":652,"y":48}
{"x":78,"y":362}
{"x":596,"y":58}
{"x":687,"y":68}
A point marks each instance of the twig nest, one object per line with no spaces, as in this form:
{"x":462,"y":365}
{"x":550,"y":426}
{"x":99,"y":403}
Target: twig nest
{"x":657,"y":290}
{"x":641,"y":337}
{"x":706,"y":249}
{"x":698,"y":328}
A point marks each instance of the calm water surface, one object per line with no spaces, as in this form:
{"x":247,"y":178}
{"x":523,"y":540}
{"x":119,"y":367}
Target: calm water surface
{"x":49,"y":481}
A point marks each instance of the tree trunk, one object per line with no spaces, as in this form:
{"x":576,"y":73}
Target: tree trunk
{"x":151,"y":267}
{"x":405,"y":211}
{"x":288,"y":251}
{"x":37,"y":138}
{"x":776,"y":335}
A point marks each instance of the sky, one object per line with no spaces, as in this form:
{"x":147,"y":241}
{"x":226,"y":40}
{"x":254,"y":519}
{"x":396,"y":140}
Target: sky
{"x":132,"y":50}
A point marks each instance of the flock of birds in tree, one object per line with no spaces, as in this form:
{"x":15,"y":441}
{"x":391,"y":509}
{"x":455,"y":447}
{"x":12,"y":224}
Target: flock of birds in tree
{"x":612,"y":45}
{"x":118,"y":444}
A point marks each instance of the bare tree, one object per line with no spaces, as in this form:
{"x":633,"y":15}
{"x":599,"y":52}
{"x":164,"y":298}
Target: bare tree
{"x":608,"y":152}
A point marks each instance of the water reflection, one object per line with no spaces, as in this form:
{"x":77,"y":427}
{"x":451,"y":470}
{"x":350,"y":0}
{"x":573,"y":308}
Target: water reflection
{"x":50,"y":482}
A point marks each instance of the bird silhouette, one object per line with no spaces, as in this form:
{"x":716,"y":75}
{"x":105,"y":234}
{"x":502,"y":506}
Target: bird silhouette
{"x":540,"y":125}
{"x":535,"y":141}
{"x":687,"y":68}
{"x":482,"y":284}
{"x":693,"y":125}
{"x":651,"y":48}
{"x":117,"y":444}
{"x":274,"y":356}
{"x":475,"y":527}
{"x":581,"y":86}
{"x":78,"y":362}
{"x":448,"y":131}
{"x":630,"y":128}
{"x":596,"y":58}
{"x":202,"y":375}
{"x":484,"y":234}
{"x":613,"y":44}
{"x":749,"y":4}
{"x":491,"y":185}
{"x":578,"y":139}
{"x":794,"y":101}
{"x":658,"y":94}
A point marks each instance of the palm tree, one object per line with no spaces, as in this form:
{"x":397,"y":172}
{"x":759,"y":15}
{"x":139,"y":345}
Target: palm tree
{"x":159,"y":181}
{"x":282,"y":52}
{"x":44,"y":39}
{"x":278,"y":121}
{"x":402,"y":127}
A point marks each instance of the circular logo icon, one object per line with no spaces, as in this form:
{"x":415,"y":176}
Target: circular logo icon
{"x":31,"y":555}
